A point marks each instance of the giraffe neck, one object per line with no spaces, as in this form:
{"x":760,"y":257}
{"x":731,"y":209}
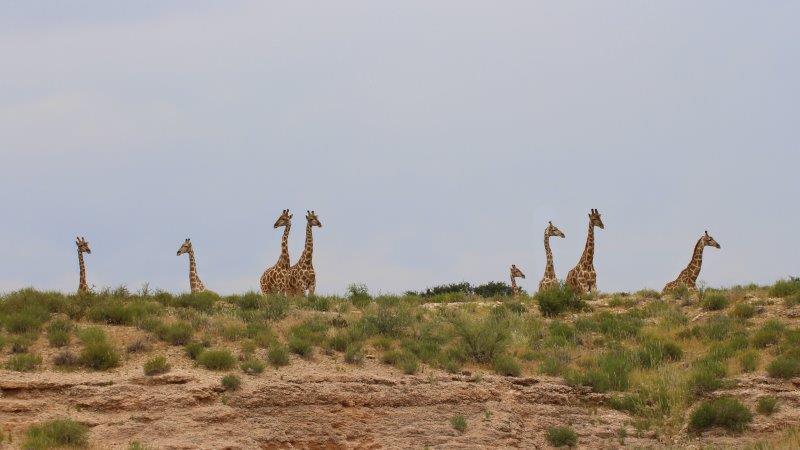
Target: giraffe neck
{"x":83,"y":285}
{"x":549,"y":269}
{"x":283,"y":261}
{"x":513,"y":283}
{"x":308,"y":250}
{"x":692,"y":271}
{"x":588,"y":252}
{"x":194,"y":280}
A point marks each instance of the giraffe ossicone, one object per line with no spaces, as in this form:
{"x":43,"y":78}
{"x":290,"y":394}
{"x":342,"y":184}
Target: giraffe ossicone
{"x":583,"y":278}
{"x":688,"y":276}
{"x":194,"y":280}
{"x":278,"y":278}
{"x":549,"y":279}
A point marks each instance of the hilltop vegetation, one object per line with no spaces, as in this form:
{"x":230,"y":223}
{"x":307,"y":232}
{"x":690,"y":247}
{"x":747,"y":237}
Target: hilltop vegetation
{"x":661,"y":361}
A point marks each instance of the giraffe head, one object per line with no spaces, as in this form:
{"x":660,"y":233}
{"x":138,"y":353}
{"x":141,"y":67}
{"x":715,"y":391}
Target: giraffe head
{"x":83,"y":246}
{"x":595,"y":220}
{"x":312,"y":219}
{"x":186,"y":247}
{"x":709,"y":241}
{"x":284,"y":220}
{"x":516,"y":273}
{"x":552,"y":230}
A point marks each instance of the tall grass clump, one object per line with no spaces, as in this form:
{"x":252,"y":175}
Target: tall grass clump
{"x":177,"y":333}
{"x":481,"y":338}
{"x":278,"y":355}
{"x":156,"y":365}
{"x":23,"y":362}
{"x":507,"y":365}
{"x":767,"y":405}
{"x":403,"y":360}
{"x":785,"y":288}
{"x":726,"y":412}
{"x":562,"y":437}
{"x":715,"y":301}
{"x":56,"y":434}
{"x":231,"y":382}
{"x":97,"y":353}
{"x":359,"y":295}
{"x":608,"y":372}
{"x":707,"y":375}
{"x":655,"y":351}
{"x":216,"y":359}
{"x":459,"y":423}
{"x":769,"y":334}
{"x":58,"y":332}
{"x":784,"y":366}
{"x":557,"y":300}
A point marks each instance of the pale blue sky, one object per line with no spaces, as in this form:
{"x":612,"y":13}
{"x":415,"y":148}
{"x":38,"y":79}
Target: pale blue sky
{"x":434,"y":139}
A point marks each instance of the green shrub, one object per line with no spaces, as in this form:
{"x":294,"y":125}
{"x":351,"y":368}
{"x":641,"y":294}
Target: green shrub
{"x":630,"y":403}
{"x":111,"y":311}
{"x":452,"y":359}
{"x":562,"y":436}
{"x":618,"y":326}
{"x":557,"y":300}
{"x":178,"y":333}
{"x":715,"y":301}
{"x":231,"y":382}
{"x":275,"y":307}
{"x":23,"y":362}
{"x":194,"y":349}
{"x":387,"y":320}
{"x":459,"y":423}
{"x":493,"y":289}
{"x":561,"y":334}
{"x":784,"y":366}
{"x":20,"y":344}
{"x":769,"y":334}
{"x":792,"y":300}
{"x":354,"y":354}
{"x":785,"y":288}
{"x":58,"y":332}
{"x":339,"y":341}
{"x":481,"y":338}
{"x":136,"y":445}
{"x":201,"y":301}
{"x":403,"y":360}
{"x":156,"y":365}
{"x":300,"y":345}
{"x":726,"y":412}
{"x":216,"y":359}
{"x":25,"y":321}
{"x":359,"y":295}
{"x":707,"y":376}
{"x":56,"y":433}
{"x":767,"y":405}
{"x":232,"y":330}
{"x":610,"y":372}
{"x":748,"y":361}
{"x":453,"y":288}
{"x":505,"y":364}
{"x":743,"y":311}
{"x":99,"y":355}
{"x":253,"y":366}
{"x":654,"y":351}
{"x":278,"y":355}
{"x":92,"y":335}
{"x":318,"y":303}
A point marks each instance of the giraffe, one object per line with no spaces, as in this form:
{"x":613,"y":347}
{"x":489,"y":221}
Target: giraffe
{"x":583,"y":278}
{"x":278,"y":277}
{"x":83,"y":247}
{"x":688,"y":276}
{"x":303,"y":276}
{"x":515,"y":273}
{"x":194,"y":281}
{"x":549,"y":279}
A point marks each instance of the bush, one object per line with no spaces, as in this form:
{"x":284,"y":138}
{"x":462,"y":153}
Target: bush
{"x":562,"y":436}
{"x":785,"y":288}
{"x":726,"y":412}
{"x":231,"y":382}
{"x":715,"y":301}
{"x":216,"y":359}
{"x":743,"y":311}
{"x":178,"y":333}
{"x":557,"y":300}
{"x":354,"y":354}
{"x":769,"y":334}
{"x":493,"y":289}
{"x":618,"y":326}
{"x":481,"y":338}
{"x":20,"y":344}
{"x":403,"y":360}
{"x":318,"y":303}
{"x":459,"y":423}
{"x":201,"y":301}
{"x":359,"y":295}
{"x":655,"y":351}
{"x":748,"y":361}
{"x":138,"y":346}
{"x":707,"y":376}
{"x":275,"y":307}
{"x":784,"y":366}
{"x":506,"y":365}
{"x":252,"y":366}
{"x":300,"y":345}
{"x":56,"y":433}
{"x":110,"y":311}
{"x":278,"y":355}
{"x":58,"y":332}
{"x":23,"y":362}
{"x":767,"y":405}
{"x":156,"y":365}
{"x":611,"y":372}
{"x":92,"y":335}
{"x":66,"y":359}
{"x":452,"y":288}
{"x":630,"y":403}
{"x":194,"y":349}
{"x":99,"y":355}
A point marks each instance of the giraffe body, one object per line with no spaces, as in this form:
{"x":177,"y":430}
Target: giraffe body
{"x":194,"y":280}
{"x":688,"y":276}
{"x":549,"y":279}
{"x":583,"y":278}
{"x":278,"y":278}
{"x":304,"y":278}
{"x":83,"y":247}
{"x":515,"y":273}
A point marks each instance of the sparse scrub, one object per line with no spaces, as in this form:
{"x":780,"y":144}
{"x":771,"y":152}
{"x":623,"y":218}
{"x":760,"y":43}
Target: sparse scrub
{"x":23,"y":362}
{"x":194,"y":349}
{"x":726,"y":412}
{"x":769,"y":334}
{"x":714,"y":301}
{"x":66,"y":360}
{"x":178,"y":333}
{"x":156,"y":366}
{"x":655,"y":351}
{"x":785,"y":288}
{"x":608,"y":372}
{"x":482,"y":338}
{"x":507,"y":365}
{"x":278,"y":355}
{"x":743,"y":311}
{"x":562,"y":437}
{"x":97,"y":353}
{"x":216,"y":359}
{"x":359,"y":295}
{"x":138,"y":346}
{"x":459,"y":423}
{"x":707,"y":376}
{"x":354,"y":354}
{"x":253,"y":366}
{"x":403,"y":360}
{"x":58,"y":332}
{"x":748,"y":361}
{"x":231,"y":382}
{"x":557,"y":300}
{"x":56,"y":433}
{"x":767,"y":405}
{"x":784,"y":366}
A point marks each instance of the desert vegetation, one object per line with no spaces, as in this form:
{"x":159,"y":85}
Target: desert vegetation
{"x":667,"y":363}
